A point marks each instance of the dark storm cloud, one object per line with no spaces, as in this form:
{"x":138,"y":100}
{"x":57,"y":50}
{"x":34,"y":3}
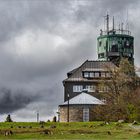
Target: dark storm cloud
{"x":10,"y":101}
{"x":40,"y":41}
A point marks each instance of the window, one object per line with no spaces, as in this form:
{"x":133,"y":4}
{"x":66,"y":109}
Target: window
{"x":97,"y":74}
{"x":100,"y":43}
{"x":127,"y":43}
{"x":85,"y":114}
{"x":106,"y":88}
{"x":103,"y":89}
{"x":114,"y":48}
{"x":103,"y":74}
{"x":108,"y":74}
{"x":101,"y":55}
{"x":91,"y":74}
{"x":77,"y":88}
{"x":90,"y":88}
{"x":86,"y":74}
{"x":114,"y":42}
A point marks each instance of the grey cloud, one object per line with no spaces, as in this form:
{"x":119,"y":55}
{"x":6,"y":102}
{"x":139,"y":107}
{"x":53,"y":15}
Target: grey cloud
{"x":119,"y":5}
{"x":33,"y":78}
{"x":10,"y":101}
{"x":19,"y":15}
{"x":93,"y":11}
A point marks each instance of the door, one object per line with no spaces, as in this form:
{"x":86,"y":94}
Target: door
{"x":85,"y":114}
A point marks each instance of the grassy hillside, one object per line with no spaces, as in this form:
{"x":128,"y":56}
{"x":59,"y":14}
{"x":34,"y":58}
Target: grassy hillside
{"x":78,"y":130}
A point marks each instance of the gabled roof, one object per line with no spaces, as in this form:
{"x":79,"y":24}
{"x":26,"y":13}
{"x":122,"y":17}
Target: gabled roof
{"x":84,"y":99}
{"x":76,"y":74}
{"x":71,"y":72}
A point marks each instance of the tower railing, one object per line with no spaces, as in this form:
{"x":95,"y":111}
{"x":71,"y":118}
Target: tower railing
{"x":115,"y":31}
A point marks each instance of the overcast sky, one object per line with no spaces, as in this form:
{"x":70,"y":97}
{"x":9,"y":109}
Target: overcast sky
{"x":41,"y":40}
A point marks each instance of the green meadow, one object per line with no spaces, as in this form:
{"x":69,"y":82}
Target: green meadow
{"x":72,"y":130}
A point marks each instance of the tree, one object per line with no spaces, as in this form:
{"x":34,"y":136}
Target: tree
{"x":54,"y":119}
{"x":120,"y":98}
{"x":8,"y":119}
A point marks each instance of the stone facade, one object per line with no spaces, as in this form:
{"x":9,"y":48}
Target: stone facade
{"x":75,"y":113}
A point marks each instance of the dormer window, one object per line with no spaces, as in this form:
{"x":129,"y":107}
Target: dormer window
{"x":96,"y":74}
{"x":86,"y":74}
{"x":91,"y":74}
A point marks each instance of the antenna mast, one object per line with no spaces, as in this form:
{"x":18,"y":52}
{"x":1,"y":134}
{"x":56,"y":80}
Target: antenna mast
{"x":122,"y":27}
{"x":113,"y":23}
{"x":107,"y":23}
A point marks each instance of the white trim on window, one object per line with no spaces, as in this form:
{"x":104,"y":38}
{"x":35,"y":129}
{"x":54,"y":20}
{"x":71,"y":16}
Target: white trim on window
{"x":91,"y":88}
{"x":91,"y":74}
{"x":77,"y":88}
{"x":86,"y":74}
{"x":97,"y":74}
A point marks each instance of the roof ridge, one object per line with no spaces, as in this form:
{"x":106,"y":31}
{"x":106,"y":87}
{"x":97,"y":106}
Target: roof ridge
{"x":76,"y":69}
{"x":83,"y":98}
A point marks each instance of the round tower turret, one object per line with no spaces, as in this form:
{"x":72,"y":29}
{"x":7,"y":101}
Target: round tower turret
{"x":112,"y":45}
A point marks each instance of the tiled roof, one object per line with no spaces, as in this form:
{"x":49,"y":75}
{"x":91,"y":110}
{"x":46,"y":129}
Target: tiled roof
{"x":83,"y":99}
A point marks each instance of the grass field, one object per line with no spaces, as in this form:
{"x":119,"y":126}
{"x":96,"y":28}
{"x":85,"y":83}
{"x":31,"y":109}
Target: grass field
{"x":77,"y":130}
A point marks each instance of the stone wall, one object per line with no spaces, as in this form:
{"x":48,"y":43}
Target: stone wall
{"x":75,"y":113}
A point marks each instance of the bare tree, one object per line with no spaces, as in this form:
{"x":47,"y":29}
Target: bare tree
{"x":121,"y":94}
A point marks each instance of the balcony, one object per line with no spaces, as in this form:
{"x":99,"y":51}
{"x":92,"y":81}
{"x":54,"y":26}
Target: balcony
{"x":113,"y":54}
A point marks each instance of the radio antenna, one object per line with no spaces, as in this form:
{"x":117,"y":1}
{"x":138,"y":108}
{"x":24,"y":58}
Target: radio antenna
{"x":107,"y":23}
{"x":113,"y":24}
